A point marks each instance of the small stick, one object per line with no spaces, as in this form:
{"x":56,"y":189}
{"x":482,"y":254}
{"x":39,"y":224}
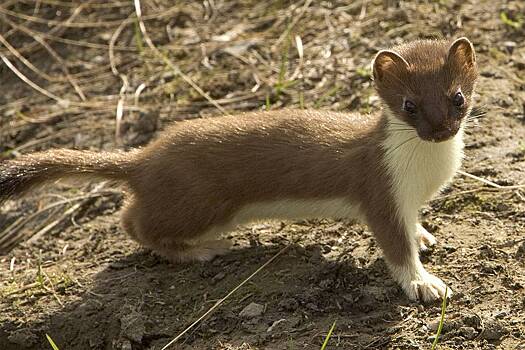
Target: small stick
{"x":479,"y":189}
{"x":120,"y":108}
{"x":220,"y":301}
{"x":55,"y":30}
{"x":69,"y":24}
{"x":170,"y":64}
{"x":283,"y":36}
{"x":52,"y":289}
{"x":9,"y":234}
{"x":490,"y":183}
{"x":59,"y":39}
{"x":26,"y":61}
{"x":111,"y":50}
{"x":68,"y":212}
{"x":30,"y":83}
{"x":63,"y":65}
{"x":23,"y":288}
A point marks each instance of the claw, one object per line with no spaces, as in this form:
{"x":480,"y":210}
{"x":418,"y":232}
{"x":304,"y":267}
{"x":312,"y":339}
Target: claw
{"x":419,"y":285}
{"x":425,"y":238}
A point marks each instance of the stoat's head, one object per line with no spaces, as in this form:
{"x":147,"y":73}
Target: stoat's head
{"x":428,"y":85}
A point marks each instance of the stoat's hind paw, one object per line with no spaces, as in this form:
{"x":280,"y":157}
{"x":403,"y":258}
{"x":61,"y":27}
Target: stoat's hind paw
{"x":425,"y":238}
{"x":197,"y":251}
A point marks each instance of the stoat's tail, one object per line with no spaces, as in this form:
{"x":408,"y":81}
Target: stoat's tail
{"x":23,"y":173}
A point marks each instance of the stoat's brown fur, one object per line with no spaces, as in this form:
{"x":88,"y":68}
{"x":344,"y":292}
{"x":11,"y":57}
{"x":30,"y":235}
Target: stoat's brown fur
{"x":204,"y":177}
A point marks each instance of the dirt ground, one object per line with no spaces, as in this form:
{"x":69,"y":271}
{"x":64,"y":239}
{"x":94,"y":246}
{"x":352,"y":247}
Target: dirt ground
{"x":67,"y":269}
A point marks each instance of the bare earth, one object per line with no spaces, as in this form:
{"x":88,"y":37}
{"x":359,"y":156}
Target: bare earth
{"x":69,"y":270}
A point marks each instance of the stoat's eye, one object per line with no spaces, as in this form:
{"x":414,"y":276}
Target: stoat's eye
{"x":458,"y":99}
{"x":409,"y":107}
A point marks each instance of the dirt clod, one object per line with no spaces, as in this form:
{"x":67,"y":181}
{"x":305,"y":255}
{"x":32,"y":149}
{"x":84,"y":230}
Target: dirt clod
{"x":468,"y":332}
{"x":494,"y":329}
{"x":252,"y":310}
{"x":132,"y":325}
{"x":25,"y":338}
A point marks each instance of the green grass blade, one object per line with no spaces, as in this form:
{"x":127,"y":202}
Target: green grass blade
{"x":53,"y":345}
{"x":516,"y":24}
{"x":441,"y":321}
{"x":325,"y":343}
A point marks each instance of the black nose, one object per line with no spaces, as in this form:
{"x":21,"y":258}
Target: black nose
{"x":442,"y":135}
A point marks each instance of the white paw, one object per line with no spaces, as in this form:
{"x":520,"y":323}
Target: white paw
{"x":418,"y":284}
{"x":207,"y":250}
{"x":427,"y":289}
{"x":196,"y":251}
{"x":425,"y":238}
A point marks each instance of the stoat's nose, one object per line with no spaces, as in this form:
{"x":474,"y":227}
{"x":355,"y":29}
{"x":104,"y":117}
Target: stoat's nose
{"x":443,"y":134}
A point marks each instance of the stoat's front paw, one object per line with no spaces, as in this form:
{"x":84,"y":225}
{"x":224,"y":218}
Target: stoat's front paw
{"x":425,"y":238}
{"x":427,"y":289}
{"x":418,"y":284}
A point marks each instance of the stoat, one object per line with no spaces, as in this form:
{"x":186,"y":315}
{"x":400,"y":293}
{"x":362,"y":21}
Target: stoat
{"x":204,"y":177}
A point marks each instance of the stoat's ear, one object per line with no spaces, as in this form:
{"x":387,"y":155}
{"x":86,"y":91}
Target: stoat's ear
{"x":387,"y":63}
{"x":461,"y":53}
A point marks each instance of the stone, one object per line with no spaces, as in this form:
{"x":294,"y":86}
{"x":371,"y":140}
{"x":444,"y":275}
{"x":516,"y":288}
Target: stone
{"x":493,"y":330}
{"x":252,"y":310}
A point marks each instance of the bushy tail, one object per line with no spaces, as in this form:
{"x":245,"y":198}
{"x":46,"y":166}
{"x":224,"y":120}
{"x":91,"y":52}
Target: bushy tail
{"x":19,"y":175}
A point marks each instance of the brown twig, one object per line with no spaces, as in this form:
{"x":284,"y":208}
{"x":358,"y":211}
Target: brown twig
{"x":25,"y":79}
{"x":68,"y":212}
{"x":62,"y":64}
{"x":10,"y":235}
{"x":25,"y":61}
{"x":168,"y":62}
{"x":69,"y":24}
{"x":490,"y":183}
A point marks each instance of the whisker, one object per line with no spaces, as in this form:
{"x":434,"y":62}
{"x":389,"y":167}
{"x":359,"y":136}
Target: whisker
{"x":470,"y":117}
{"x":401,"y":144}
{"x":472,"y":123}
{"x":400,"y":128}
{"x":478,"y":110}
{"x":410,"y":158}
{"x":401,"y":131}
{"x":397,"y":123}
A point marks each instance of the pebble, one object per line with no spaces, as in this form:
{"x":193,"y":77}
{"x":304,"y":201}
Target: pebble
{"x":132,"y":325}
{"x":433,"y":325}
{"x":468,"y":332}
{"x":252,"y":310}
{"x":471,"y":320}
{"x":218,"y":277}
{"x":494,"y":330}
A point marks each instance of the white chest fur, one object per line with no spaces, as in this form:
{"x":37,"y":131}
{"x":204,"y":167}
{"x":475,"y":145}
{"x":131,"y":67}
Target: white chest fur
{"x":419,"y":169}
